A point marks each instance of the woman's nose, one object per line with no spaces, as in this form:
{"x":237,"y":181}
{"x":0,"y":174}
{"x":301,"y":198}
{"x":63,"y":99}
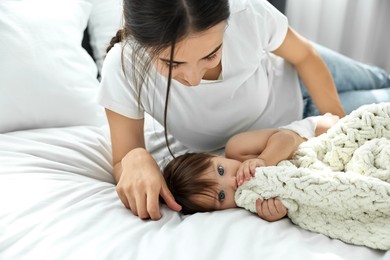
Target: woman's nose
{"x":193,"y":77}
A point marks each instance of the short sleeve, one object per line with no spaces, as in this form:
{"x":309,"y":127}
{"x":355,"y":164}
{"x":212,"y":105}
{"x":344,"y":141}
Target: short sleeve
{"x":116,"y":92}
{"x":103,"y":23}
{"x":272,"y":25}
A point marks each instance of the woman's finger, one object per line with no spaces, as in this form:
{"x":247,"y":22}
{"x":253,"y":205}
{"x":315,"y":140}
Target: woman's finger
{"x":132,"y":205}
{"x":122,"y":196}
{"x":168,"y":198}
{"x":140,"y":200}
{"x":152,"y":205}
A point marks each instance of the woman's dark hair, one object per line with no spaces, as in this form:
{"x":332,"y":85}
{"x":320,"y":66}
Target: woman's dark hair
{"x":185,"y":179}
{"x":155,"y":25}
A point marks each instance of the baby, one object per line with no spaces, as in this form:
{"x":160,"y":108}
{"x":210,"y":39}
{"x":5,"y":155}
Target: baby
{"x":202,"y":182}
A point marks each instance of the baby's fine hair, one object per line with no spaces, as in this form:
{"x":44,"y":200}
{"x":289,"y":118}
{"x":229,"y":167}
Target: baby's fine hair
{"x":184,"y":178}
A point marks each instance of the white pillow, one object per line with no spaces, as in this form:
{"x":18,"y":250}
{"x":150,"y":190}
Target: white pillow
{"x":104,"y":22}
{"x":46,"y":78}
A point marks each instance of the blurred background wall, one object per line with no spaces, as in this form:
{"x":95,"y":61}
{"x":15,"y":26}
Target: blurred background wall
{"x":356,"y":28}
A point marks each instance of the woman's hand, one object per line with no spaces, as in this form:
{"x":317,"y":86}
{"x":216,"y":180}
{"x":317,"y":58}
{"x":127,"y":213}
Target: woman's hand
{"x":271,"y":209}
{"x":140,"y":185}
{"x":247,"y":170}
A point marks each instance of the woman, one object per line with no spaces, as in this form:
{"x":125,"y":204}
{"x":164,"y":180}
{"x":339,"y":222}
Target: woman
{"x":206,"y":70}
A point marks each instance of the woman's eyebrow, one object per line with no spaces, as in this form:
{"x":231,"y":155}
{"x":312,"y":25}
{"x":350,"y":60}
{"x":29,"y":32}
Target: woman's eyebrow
{"x":205,"y":57}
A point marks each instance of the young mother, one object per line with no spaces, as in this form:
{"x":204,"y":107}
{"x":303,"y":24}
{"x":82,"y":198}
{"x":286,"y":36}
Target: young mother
{"x":207,"y":70}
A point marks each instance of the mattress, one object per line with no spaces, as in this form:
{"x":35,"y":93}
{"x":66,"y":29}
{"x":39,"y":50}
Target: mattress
{"x":58,"y":201}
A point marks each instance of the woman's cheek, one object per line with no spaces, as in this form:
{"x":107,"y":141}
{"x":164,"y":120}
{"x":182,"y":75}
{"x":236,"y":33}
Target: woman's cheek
{"x":162,"y":69}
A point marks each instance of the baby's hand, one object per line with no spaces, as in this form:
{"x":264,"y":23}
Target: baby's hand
{"x":247,"y":170}
{"x":271,"y":209}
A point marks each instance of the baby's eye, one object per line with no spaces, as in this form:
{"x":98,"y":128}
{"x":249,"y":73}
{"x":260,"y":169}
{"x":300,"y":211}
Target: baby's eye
{"x":221,"y":196}
{"x":221,"y":170}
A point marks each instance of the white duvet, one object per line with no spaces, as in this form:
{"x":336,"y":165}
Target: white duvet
{"x":338,"y":183}
{"x":58,"y":201}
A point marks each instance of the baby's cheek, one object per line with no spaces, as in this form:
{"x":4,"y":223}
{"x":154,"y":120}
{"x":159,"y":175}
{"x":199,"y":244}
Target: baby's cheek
{"x":232,"y":202}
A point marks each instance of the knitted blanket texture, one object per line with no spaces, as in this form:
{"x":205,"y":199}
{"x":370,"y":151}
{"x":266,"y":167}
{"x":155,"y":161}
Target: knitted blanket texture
{"x":338,"y":183}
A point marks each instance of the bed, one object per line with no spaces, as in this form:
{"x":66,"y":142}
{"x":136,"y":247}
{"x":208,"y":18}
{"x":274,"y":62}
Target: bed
{"x":57,"y":194}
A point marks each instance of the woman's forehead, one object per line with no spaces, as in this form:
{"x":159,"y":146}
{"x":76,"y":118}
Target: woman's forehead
{"x":197,"y":45}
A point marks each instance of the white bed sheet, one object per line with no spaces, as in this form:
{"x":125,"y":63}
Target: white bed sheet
{"x":58,"y":201}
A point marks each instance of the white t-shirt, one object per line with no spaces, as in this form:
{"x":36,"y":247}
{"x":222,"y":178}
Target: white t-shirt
{"x":256,"y":89}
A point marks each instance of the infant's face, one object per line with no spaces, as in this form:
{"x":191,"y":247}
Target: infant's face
{"x":223,"y":171}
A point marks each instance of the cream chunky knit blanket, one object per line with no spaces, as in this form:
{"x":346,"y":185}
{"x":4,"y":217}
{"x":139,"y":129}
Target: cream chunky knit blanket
{"x":337,"y":184}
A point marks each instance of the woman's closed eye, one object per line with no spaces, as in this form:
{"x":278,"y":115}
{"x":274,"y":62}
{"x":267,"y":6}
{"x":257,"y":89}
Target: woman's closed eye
{"x":176,"y":65}
{"x":211,"y":57}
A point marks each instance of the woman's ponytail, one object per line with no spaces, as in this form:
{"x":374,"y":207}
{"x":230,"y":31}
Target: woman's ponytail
{"x":117,"y":38}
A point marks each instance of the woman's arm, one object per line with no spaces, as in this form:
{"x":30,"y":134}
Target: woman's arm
{"x":313,"y":71}
{"x":126,"y":135}
{"x":138,"y":177}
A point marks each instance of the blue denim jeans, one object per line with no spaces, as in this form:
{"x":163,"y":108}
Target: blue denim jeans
{"x":357,"y":83}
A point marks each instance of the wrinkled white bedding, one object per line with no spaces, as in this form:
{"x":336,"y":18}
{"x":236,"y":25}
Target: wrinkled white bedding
{"x":338,"y":183}
{"x":58,"y":201}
